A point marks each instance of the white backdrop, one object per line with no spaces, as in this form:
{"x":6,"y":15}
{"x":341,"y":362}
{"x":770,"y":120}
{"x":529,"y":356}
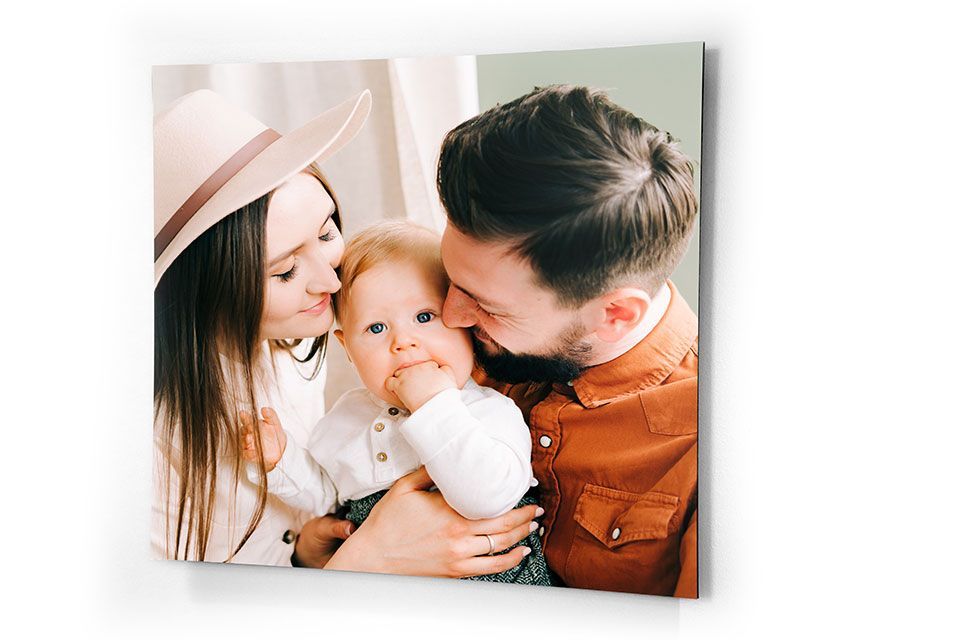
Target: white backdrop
{"x":828,"y":311}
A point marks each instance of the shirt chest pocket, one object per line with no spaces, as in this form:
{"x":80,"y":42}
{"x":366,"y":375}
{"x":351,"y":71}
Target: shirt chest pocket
{"x":625,"y":541}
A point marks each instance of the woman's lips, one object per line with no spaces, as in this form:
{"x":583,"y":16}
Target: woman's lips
{"x":318,"y":308}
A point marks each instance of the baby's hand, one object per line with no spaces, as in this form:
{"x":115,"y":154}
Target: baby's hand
{"x":272,"y":437}
{"x":417,"y":384}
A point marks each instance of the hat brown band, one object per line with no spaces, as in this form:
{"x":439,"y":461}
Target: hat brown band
{"x":209,"y":187}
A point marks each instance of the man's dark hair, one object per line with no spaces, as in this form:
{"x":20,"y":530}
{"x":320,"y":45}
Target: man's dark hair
{"x":591,"y":195}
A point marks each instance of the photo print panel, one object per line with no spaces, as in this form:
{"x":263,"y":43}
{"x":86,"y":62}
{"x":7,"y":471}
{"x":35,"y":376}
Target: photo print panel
{"x":432,"y":316}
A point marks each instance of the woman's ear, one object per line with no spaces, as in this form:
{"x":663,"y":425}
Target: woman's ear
{"x":623,"y":309}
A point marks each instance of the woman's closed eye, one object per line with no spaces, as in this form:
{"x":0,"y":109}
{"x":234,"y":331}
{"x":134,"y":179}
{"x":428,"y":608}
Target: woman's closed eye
{"x":331,"y":231}
{"x":288,"y":275}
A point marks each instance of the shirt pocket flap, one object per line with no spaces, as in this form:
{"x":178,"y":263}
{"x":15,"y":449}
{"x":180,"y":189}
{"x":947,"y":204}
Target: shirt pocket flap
{"x":617,"y":517}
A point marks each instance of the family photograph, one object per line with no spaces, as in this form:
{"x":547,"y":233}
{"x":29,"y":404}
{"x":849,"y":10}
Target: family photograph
{"x":431,"y":317}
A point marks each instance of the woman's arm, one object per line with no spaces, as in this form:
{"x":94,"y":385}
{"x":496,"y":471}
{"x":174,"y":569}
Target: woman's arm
{"x":412,"y":531}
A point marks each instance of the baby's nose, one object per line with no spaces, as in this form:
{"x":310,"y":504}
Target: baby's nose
{"x":402,"y":342}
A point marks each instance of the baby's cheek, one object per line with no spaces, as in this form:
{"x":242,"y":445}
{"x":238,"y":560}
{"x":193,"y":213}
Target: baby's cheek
{"x":462,"y":364}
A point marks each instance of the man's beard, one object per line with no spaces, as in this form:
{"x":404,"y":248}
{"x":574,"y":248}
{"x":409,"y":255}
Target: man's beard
{"x":562,"y":364}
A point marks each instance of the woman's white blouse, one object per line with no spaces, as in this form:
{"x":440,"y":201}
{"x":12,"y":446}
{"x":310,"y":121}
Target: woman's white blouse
{"x":299,"y":404}
{"x":473,"y":441}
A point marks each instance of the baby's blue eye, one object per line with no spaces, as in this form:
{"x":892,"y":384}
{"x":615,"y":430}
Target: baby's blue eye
{"x":424,"y":317}
{"x":377,"y":327}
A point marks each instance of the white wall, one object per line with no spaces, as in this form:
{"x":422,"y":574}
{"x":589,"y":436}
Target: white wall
{"x":827,"y":310}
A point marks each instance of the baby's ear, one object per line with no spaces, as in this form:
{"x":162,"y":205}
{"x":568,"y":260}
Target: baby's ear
{"x":339,"y":334}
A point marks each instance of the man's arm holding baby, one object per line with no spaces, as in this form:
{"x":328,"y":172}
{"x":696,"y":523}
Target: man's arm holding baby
{"x":292,"y":473}
{"x":477,"y":452}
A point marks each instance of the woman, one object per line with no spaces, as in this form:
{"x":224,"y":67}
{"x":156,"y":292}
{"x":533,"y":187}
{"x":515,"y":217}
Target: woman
{"x":247,"y":242}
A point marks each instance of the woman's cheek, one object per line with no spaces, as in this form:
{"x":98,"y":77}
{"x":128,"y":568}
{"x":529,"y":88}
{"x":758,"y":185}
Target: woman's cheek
{"x":279,"y":304}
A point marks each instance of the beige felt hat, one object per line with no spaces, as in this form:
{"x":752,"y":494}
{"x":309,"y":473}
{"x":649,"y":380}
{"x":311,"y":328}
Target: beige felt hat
{"x":211,"y":158}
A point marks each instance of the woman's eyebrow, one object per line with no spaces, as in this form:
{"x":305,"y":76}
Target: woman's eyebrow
{"x":283,"y":256}
{"x":286,"y":254}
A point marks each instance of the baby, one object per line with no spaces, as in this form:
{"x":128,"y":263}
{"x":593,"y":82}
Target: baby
{"x":419,"y":405}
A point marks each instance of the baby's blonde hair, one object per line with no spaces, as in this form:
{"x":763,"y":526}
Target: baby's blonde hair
{"x":390,"y":241}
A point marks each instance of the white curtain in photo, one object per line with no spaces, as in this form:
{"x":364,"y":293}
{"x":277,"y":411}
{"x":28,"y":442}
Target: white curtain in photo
{"x":389,"y":170}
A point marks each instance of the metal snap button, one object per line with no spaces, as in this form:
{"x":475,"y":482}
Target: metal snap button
{"x":382,"y":457}
{"x":393,"y":411}
{"x":379,"y":427}
{"x":288,"y":536}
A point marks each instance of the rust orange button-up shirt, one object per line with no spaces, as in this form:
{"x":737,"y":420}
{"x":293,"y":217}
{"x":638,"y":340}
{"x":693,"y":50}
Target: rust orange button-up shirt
{"x":616,"y":456}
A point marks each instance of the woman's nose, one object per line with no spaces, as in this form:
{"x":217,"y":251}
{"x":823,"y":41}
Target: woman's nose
{"x":459,"y":310}
{"x":323,"y":279}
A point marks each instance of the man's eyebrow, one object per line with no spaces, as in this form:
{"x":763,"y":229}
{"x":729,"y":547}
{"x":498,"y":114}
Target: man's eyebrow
{"x":286,"y":254}
{"x":476,"y":298}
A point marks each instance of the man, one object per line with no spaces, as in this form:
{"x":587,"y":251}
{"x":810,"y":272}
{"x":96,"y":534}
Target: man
{"x":566,"y":216}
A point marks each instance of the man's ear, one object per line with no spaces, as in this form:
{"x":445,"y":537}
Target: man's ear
{"x":339,"y":334}
{"x":622,"y":311}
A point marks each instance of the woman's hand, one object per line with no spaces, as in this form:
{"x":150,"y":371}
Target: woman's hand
{"x":412,"y":531}
{"x":272,"y":437}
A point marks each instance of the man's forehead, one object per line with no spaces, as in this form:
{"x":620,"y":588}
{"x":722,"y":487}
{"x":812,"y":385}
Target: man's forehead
{"x":487,"y":271}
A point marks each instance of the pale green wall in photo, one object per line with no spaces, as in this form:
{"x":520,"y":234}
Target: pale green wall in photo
{"x":663,"y":84}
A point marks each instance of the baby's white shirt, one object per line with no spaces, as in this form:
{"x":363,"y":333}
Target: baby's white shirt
{"x":473,"y":441}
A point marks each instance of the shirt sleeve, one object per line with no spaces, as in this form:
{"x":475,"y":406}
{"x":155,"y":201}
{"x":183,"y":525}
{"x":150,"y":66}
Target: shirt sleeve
{"x":687,"y":582}
{"x":166,"y":485}
{"x":477,"y":453}
{"x":265,"y":545}
{"x":299,"y":481}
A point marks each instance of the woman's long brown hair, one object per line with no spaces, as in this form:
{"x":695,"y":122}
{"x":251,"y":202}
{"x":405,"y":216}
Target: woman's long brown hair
{"x":208,"y":306}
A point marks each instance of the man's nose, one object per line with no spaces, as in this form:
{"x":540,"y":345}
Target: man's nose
{"x":459,"y":309}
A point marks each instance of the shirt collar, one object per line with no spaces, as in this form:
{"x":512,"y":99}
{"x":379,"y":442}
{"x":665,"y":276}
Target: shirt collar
{"x":645,"y":365}
{"x":382,"y":404}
